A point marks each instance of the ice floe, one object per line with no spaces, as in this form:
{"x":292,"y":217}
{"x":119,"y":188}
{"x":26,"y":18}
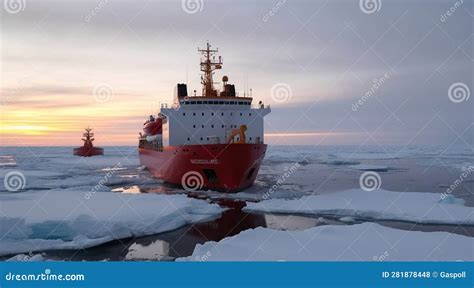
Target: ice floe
{"x":359,"y":242}
{"x":380,"y":204}
{"x":44,"y":220}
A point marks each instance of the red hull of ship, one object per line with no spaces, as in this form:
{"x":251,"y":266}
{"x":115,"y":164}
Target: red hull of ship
{"x":223,"y":167}
{"x":88,"y":152}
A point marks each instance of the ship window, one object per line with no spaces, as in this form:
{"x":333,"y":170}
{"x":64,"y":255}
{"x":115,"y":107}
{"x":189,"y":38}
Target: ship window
{"x":186,"y":102}
{"x":202,"y":126}
{"x":207,"y":138}
{"x":222,"y":126}
{"x":204,"y":102}
{"x":231,"y":113}
{"x":201,"y":138}
{"x":188,"y":139}
{"x":194,"y":126}
{"x":221,"y":102}
{"x":184,"y":114}
{"x":250,"y":114}
{"x":212,"y":126}
{"x":240,"y":114}
{"x":250,"y":139}
{"x":241,"y":103}
{"x":202,"y":113}
{"x":212,"y":113}
{"x":227,"y":102}
{"x":210,"y":175}
{"x":194,"y":114}
{"x":193,"y":102}
{"x":222,"y":114}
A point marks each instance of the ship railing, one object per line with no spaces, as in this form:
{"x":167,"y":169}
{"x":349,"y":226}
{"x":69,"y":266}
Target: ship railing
{"x":256,"y":106}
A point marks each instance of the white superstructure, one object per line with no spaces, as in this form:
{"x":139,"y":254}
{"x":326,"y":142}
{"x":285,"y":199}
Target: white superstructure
{"x":205,"y":120}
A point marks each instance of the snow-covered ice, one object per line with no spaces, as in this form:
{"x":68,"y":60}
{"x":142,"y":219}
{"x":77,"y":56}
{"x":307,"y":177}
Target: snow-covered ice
{"x":44,"y":220}
{"x":360,"y":242}
{"x":379,"y":204}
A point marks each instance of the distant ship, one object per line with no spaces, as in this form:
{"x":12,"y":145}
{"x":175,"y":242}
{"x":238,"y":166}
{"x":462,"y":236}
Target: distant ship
{"x":213,"y":141}
{"x":88,"y":149}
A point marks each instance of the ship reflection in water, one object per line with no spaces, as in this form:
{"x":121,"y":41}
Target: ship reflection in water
{"x":181,"y":242}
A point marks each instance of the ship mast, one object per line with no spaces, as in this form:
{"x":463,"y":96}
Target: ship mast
{"x":88,"y":137}
{"x":208,"y":65}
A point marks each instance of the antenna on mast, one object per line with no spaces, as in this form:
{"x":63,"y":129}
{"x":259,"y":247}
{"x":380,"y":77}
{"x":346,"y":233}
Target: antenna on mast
{"x":208,"y":65}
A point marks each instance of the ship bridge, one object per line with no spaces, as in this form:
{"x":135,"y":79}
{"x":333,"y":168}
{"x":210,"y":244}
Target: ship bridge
{"x":205,"y":120}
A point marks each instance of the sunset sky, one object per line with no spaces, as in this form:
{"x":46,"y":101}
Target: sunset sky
{"x":66,"y":65}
